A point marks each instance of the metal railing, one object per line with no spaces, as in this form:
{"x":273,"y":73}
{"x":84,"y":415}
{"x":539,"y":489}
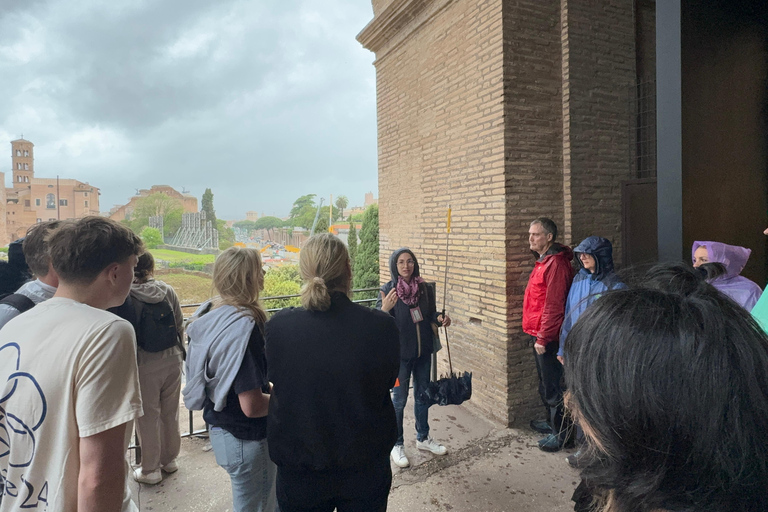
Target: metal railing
{"x":204,"y":432}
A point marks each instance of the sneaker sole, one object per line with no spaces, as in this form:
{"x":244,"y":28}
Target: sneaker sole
{"x":433,"y":453}
{"x":400,"y":464}
{"x":169,"y":470}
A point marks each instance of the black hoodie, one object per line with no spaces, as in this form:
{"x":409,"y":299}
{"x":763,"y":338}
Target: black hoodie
{"x":413,"y":343}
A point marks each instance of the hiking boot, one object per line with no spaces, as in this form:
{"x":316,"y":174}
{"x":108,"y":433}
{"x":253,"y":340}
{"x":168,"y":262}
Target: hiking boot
{"x":551,"y":443}
{"x":541,"y":426}
{"x":153,"y":478}
{"x":171,"y":467}
{"x":398,"y":456}
{"x":430,"y":445}
{"x":573,"y":459}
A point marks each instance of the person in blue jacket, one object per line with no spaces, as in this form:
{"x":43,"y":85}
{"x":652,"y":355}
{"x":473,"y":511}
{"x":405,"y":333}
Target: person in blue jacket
{"x":595,"y":276}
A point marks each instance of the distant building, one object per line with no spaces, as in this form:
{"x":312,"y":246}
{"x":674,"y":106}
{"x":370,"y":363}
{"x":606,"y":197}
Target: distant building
{"x":188,"y":201}
{"x":252,"y":216}
{"x":31,"y":200}
{"x":369,"y":199}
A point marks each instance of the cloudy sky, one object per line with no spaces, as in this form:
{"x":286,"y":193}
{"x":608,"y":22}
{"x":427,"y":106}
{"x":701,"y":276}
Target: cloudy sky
{"x":260,"y":100}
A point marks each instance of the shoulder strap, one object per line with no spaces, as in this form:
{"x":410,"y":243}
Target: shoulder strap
{"x":18,"y":301}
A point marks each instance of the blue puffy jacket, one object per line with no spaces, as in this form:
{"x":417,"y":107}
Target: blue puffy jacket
{"x":587,"y":287}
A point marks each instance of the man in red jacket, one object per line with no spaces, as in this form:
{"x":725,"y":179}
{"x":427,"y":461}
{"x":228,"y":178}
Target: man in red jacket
{"x":543,"y":313}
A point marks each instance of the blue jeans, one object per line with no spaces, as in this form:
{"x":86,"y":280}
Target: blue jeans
{"x":420,"y":368}
{"x":250,"y":470}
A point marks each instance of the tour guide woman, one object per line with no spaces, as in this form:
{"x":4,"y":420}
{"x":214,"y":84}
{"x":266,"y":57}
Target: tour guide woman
{"x":408,"y":298}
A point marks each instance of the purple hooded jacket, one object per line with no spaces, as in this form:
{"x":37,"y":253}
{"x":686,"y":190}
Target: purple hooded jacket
{"x":733,"y":257}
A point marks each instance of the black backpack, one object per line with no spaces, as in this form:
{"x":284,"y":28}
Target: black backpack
{"x":18,"y":301}
{"x":156,"y":329}
{"x":155,"y":324}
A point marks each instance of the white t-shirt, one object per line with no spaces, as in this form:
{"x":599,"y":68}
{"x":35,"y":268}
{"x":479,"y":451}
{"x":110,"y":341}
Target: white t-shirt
{"x":67,"y":370}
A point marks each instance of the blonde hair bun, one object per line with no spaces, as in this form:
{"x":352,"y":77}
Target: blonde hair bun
{"x":324,"y":266}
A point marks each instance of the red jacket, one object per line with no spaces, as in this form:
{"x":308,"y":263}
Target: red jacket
{"x":545,"y":295}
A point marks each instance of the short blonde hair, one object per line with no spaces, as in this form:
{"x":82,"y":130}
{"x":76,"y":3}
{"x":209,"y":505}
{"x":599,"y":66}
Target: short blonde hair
{"x":238,"y":278}
{"x":324,"y":266}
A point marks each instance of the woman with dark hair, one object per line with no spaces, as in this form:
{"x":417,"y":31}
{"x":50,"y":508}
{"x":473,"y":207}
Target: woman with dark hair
{"x":412,"y":303}
{"x":742,"y":290}
{"x":159,"y":373}
{"x":670,"y":384}
{"x":331,"y":422}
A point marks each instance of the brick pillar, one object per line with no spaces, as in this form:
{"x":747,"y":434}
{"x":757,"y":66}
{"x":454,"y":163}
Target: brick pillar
{"x":599,"y":60}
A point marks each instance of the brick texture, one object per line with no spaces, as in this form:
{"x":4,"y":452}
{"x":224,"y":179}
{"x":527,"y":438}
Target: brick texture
{"x":505,"y":111}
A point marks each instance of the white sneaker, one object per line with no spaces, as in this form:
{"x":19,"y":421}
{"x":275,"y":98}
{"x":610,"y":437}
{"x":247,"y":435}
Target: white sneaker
{"x":398,"y":456}
{"x":152,"y":478}
{"x":430,"y":445}
{"x":171,"y":467}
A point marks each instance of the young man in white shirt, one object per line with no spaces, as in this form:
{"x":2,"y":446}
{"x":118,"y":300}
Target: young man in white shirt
{"x":69,"y":380}
{"x":35,"y":247}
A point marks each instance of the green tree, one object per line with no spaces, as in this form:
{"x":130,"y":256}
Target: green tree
{"x":245,"y":224}
{"x":226,"y":235}
{"x":284,"y":280}
{"x":322,"y":225}
{"x":358,"y":217}
{"x":303,"y":211}
{"x":268,"y":223}
{"x":341,"y":203}
{"x":366,"y":270}
{"x":207,"y":207}
{"x":352,"y":242}
{"x":151,"y":237}
{"x":157,"y":204}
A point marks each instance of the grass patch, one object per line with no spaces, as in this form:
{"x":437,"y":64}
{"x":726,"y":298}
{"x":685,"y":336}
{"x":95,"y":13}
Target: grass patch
{"x":191,"y":289}
{"x":182,"y":257}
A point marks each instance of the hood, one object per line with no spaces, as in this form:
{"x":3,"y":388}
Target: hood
{"x":601,"y":249}
{"x":393,"y":263}
{"x":733,"y":257}
{"x":555,"y":249}
{"x":150,"y":292}
{"x":217,"y":323}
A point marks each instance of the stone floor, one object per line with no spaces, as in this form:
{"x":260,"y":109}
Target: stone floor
{"x":488,"y":468}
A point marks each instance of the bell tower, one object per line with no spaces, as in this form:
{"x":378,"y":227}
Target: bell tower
{"x":22,"y":159}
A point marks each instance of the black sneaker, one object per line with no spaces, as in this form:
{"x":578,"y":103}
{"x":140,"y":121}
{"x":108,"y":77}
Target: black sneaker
{"x":541,"y":426}
{"x":551,"y":443}
{"x":573,"y":459}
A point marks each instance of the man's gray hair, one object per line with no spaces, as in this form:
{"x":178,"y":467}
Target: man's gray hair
{"x":548,"y":224}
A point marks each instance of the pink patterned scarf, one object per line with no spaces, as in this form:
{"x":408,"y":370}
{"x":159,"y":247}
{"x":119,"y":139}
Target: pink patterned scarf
{"x":409,"y":292}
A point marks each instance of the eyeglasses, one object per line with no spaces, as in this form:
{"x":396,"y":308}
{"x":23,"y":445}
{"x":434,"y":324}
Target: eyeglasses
{"x":410,"y":263}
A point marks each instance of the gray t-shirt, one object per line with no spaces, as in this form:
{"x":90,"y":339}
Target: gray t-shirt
{"x":36,"y":290}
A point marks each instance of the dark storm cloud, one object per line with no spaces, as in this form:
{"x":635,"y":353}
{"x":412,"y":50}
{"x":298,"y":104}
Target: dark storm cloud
{"x":261,"y":101}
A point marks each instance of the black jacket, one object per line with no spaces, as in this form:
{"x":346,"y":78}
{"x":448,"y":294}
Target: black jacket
{"x":413,"y":343}
{"x":332,"y":372}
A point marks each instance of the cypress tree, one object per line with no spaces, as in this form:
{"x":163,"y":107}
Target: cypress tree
{"x":366,"y":270}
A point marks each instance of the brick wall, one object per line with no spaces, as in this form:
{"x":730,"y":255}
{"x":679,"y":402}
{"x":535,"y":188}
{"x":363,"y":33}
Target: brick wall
{"x":506,"y":111}
{"x":599,"y":74}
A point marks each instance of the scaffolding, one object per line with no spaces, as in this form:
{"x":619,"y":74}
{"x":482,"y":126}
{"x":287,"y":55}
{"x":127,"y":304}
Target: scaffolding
{"x":196,"y":233}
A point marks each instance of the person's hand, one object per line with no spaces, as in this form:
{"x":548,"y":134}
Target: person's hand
{"x":540,"y":349}
{"x":766,"y":231}
{"x":388,"y":301}
{"x":561,"y":359}
{"x":445,"y":321}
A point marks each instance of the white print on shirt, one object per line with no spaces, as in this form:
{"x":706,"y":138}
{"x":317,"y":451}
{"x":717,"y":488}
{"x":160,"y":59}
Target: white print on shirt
{"x":20,"y":433}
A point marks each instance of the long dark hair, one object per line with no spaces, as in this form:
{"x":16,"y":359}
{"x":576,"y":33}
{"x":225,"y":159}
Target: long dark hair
{"x":670,"y":383}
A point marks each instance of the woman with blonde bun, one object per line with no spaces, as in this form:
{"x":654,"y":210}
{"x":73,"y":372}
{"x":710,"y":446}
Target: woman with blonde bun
{"x":227,"y":377}
{"x":331,"y":422}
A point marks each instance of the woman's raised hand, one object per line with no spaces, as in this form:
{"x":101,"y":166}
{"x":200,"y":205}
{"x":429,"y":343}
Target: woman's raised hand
{"x":388,"y":301}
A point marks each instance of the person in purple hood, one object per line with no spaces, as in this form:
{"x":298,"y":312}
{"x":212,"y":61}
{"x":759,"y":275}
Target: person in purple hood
{"x":743,"y":291}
